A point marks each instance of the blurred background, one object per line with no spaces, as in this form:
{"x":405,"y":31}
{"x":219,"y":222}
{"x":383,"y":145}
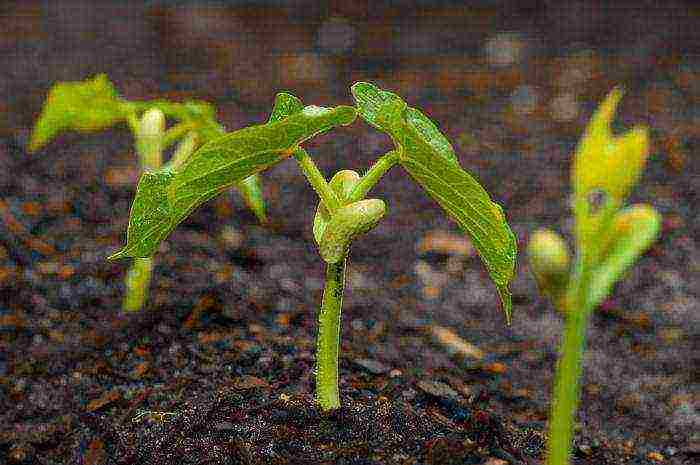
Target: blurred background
{"x":517,"y":65}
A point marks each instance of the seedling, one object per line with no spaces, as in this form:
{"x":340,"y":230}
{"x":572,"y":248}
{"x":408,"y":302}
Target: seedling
{"x":609,"y":239}
{"x":94,"y":104}
{"x":167,"y":196}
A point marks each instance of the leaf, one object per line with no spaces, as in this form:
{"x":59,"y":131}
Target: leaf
{"x":431,"y":134}
{"x":285,"y":105}
{"x":343,"y":182}
{"x":346,"y":224}
{"x":633,"y":229}
{"x":605,"y":169}
{"x":84,"y":106}
{"x":251,"y":188}
{"x":251,"y":191}
{"x":164,"y":198}
{"x":430,"y":160}
{"x":369,"y":99}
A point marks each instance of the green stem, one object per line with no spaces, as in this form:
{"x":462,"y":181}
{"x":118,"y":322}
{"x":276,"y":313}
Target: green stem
{"x":317,"y":180}
{"x":567,"y":383}
{"x":137,"y":282}
{"x":373,"y":175}
{"x":184,"y":149}
{"x":149,"y":146}
{"x":176,"y":133}
{"x":328,"y":344}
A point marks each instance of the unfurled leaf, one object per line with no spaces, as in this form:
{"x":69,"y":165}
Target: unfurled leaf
{"x":430,"y":160}
{"x":86,"y":106}
{"x":285,"y":105}
{"x":369,"y":99}
{"x":606,"y":168}
{"x":343,"y":182}
{"x":633,"y":231}
{"x":164,"y":198}
{"x":346,"y":224}
{"x":251,"y":187}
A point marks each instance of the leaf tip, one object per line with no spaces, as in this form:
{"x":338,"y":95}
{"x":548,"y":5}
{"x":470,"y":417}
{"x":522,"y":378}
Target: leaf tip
{"x":123,"y":253}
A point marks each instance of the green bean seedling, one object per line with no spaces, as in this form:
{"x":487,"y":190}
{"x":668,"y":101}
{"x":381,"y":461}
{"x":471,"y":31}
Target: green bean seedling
{"x":94,"y":104}
{"x":609,"y":239}
{"x":166,"y":196}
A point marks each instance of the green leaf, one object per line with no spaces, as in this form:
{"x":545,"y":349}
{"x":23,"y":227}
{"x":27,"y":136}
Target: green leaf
{"x":346,"y":224}
{"x":633,"y":230}
{"x":84,"y":106}
{"x":187,"y":111}
{"x":251,"y":191}
{"x":343,"y":182}
{"x":164,"y":198}
{"x":251,"y":188}
{"x":285,"y":105}
{"x":431,"y":134}
{"x":430,"y":160}
{"x":369,"y":99}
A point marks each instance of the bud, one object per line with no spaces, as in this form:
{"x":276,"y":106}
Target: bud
{"x":343,"y":182}
{"x":149,"y":140}
{"x":550,"y":263}
{"x":347,"y":223}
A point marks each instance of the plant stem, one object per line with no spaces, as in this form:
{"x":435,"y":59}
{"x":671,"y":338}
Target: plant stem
{"x":137,"y":281}
{"x":567,"y":383}
{"x":373,"y":175}
{"x":324,"y":191}
{"x":328,"y":342}
{"x":184,"y":149}
{"x":149,"y":146}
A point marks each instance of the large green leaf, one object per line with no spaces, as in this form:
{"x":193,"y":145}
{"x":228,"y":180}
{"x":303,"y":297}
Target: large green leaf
{"x":633,"y":231}
{"x":427,"y":156}
{"x":166,"y":197}
{"x":85,"y":106}
{"x":251,"y":187}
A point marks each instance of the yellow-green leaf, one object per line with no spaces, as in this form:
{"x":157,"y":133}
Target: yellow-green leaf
{"x":605,"y":169}
{"x":85,"y":106}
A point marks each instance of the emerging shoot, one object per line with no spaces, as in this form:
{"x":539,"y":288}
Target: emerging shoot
{"x":609,"y":239}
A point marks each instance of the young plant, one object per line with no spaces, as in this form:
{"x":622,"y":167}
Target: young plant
{"x":94,"y":104}
{"x":609,"y":239}
{"x":166,"y":196}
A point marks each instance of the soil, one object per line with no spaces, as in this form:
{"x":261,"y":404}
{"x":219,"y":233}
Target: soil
{"x":219,"y":369}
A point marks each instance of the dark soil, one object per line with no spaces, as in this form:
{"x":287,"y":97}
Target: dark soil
{"x":219,"y":369}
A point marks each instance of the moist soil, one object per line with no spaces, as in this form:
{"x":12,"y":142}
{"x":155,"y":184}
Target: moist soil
{"x":219,"y":367}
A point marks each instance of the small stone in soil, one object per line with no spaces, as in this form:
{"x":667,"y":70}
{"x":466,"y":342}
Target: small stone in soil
{"x":437,"y":389}
{"x":373,"y":366}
